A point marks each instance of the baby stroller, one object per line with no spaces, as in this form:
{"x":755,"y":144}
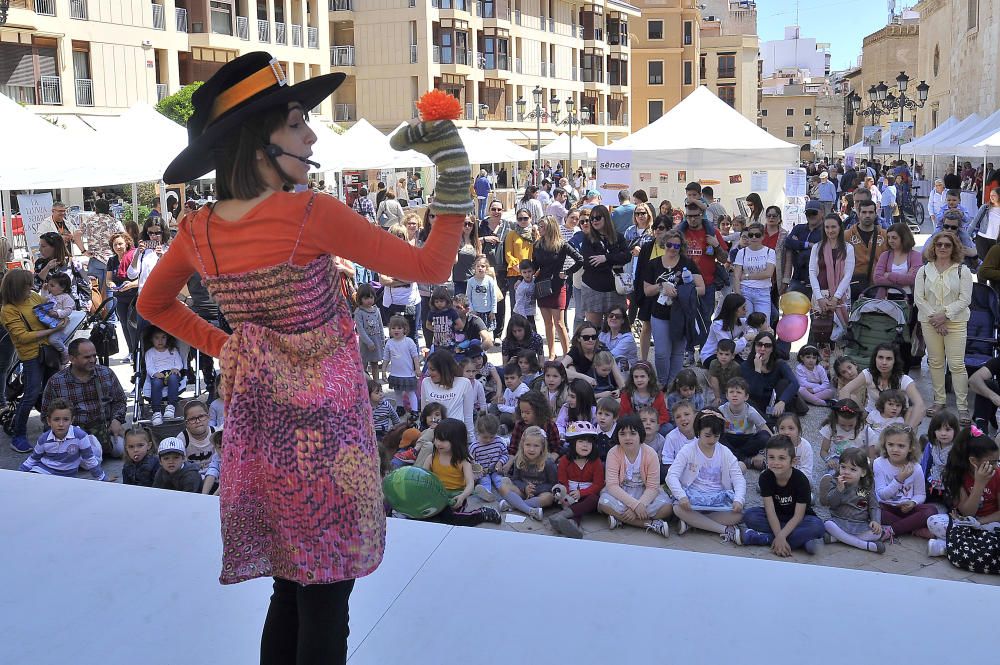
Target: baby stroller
{"x":875,"y":321}
{"x":983,"y":336}
{"x":142,"y":409}
{"x":13,"y":386}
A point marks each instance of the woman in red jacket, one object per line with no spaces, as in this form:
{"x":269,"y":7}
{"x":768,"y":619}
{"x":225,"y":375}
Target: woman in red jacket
{"x":301,"y":499}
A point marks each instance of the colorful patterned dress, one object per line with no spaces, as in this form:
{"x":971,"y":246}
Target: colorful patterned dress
{"x":300,"y":492}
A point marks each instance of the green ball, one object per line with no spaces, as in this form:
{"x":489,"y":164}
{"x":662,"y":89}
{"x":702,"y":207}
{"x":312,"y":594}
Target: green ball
{"x":415,"y":492}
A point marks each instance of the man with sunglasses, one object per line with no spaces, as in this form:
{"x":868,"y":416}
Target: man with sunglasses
{"x":492,"y":233}
{"x":954,"y":220}
{"x":704,"y":249}
{"x":799,"y":243}
{"x":869,"y":241}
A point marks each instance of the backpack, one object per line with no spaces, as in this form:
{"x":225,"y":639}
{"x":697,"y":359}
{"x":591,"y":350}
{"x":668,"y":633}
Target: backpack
{"x":972,"y":548}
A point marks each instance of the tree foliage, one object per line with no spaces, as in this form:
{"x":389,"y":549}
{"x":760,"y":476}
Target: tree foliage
{"x":178,"y":106}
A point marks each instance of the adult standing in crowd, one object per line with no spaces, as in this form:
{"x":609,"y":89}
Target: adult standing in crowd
{"x":753,"y":268}
{"x":831,"y":264}
{"x":775,"y":236}
{"x":799,"y":245}
{"x":363,"y":205}
{"x":531,"y":203}
{"x":772,"y":382}
{"x":17,"y":302}
{"x":869,"y":242}
{"x":468,"y":249}
{"x":674,"y":283}
{"x":648,"y":251}
{"x":637,"y":235}
{"x":936,"y":200}
{"x":519,"y":246}
{"x":943,"y":293}
{"x":125,"y":290}
{"x":756,"y":207}
{"x":97,"y":231}
{"x":705,"y":251}
{"x":622,"y":215}
{"x":97,"y":396}
{"x":482,"y":188}
{"x":986,"y":225}
{"x":826,"y":193}
{"x":389,"y":211}
{"x":886,"y":371}
{"x":492,"y":234}
{"x":603,"y":252}
{"x":554,"y":259}
{"x":58,"y":223}
{"x":898,"y":265}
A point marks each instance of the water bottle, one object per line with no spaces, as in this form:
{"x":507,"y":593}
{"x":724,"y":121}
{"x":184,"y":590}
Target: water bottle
{"x":709,"y":250}
{"x":686,"y":276}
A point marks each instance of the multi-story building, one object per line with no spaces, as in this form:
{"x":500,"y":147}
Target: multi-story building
{"x":728,"y":61}
{"x":805,"y":110}
{"x":87,"y":57}
{"x":795,"y":52}
{"x":491,"y":55}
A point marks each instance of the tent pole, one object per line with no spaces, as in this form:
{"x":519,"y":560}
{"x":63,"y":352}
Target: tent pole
{"x":163,"y":201}
{"x":135,"y":202}
{"x":8,"y":216}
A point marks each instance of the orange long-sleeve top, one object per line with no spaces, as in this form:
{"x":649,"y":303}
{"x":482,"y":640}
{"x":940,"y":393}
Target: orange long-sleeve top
{"x":265,"y":236}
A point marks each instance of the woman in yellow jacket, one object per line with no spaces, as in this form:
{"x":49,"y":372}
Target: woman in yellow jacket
{"x":28,"y":334}
{"x":518,"y":246}
{"x":942,"y":293}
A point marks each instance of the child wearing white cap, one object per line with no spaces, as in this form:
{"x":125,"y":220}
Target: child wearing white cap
{"x":176,"y":473}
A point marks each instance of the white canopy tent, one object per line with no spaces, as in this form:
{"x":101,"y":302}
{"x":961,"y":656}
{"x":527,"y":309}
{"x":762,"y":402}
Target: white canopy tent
{"x":703,"y":139}
{"x":991,"y":142}
{"x":486,"y":147}
{"x":927,"y":147}
{"x":915,"y":146}
{"x":362,"y":147}
{"x":962,"y":143}
{"x":583,"y":148}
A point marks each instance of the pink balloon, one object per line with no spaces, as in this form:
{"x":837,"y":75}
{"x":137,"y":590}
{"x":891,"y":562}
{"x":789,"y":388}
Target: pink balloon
{"x":792,"y":327}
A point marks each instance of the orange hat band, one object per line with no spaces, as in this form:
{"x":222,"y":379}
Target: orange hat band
{"x":254,"y":84}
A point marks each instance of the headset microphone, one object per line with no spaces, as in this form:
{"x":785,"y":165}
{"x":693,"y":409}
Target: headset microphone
{"x":273,"y":150}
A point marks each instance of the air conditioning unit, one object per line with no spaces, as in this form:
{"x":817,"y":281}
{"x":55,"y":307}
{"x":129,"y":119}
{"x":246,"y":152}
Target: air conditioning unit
{"x":711,"y":18}
{"x":147,"y":43}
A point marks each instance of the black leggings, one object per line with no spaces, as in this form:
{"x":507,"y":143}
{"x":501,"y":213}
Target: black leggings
{"x":306,"y":625}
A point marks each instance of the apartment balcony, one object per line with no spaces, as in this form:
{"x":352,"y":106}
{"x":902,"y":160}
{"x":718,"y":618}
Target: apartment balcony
{"x":159,"y":23}
{"x":452,"y":6}
{"x":493,"y":62}
{"x":243,"y":28}
{"x":492,"y":14}
{"x":84,"y":92}
{"x":46,"y":8}
{"x":342,"y":56}
{"x":263,"y":30}
{"x":508,"y":114}
{"x":181,"y":19}
{"x":618,"y":38}
{"x":341,"y":5}
{"x":297,"y":35}
{"x":312,"y":37}
{"x":413,"y":54}
{"x":344,"y":113}
{"x":552,"y":24}
{"x":452,"y":56}
{"x":51,"y":90}
{"x":593,"y":35}
{"x":161,"y":91}
{"x":727,"y":73}
{"x":78,"y":9}
{"x":280,"y":34}
{"x":593,"y":80}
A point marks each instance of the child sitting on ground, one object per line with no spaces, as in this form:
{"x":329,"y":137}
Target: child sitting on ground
{"x":176,"y":473}
{"x":855,"y":516}
{"x":383,"y":412}
{"x":141,"y":464}
{"x":432,"y":414}
{"x":531,"y":367}
{"x":580,"y":405}
{"x":528,"y":486}
{"x":650,"y":418}
{"x":788,"y":424}
{"x":581,"y":474}
{"x":746,"y":430}
{"x":940,"y":436}
{"x":468,"y":367}
{"x":533,"y":411}
{"x":642,"y":390}
{"x":890,"y":409}
{"x":514,"y":389}
{"x":607,"y":416}
{"x":707,"y":482}
{"x":686,"y":387}
{"x":164,"y":366}
{"x":489,"y":453}
{"x":814,"y":383}
{"x":683,"y":434}
{"x":723,"y":368}
{"x":555,"y":384}
{"x":632,"y":493}
{"x":210,"y":483}
{"x":607,"y":376}
{"x":899,"y":484}
{"x":63,"y":449}
{"x":451,"y":463}
{"x":786,"y":522}
{"x":217,"y":413}
{"x":843,"y":429}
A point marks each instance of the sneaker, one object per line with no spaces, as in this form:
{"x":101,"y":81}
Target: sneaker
{"x":682,"y":527}
{"x":566,"y":526}
{"x":755,"y":538}
{"x":484,"y":493}
{"x":659,"y":527}
{"x":936,"y":547}
{"x":878,"y":547}
{"x":503,"y":506}
{"x":536,"y":513}
{"x":156,"y":420}
{"x":732,"y":535}
{"x":19,"y":444}
{"x":828,"y":539}
{"x":814,"y":546}
{"x":613,"y":522}
{"x":168,"y":412}
{"x":490,"y":515}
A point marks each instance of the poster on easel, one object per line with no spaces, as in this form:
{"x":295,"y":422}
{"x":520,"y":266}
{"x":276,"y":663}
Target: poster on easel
{"x":900,"y":133}
{"x":35,"y":208}
{"x":871,"y":136}
{"x":614,"y":173}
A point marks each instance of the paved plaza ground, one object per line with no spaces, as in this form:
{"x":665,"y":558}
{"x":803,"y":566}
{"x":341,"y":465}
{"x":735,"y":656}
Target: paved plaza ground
{"x":907,"y":556}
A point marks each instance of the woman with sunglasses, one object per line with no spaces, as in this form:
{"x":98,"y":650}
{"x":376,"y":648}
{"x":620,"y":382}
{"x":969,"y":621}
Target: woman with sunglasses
{"x":580,"y":360}
{"x":554,"y":259}
{"x":576,"y":285}
{"x":603,"y":251}
{"x":619,"y":339}
{"x":531,"y":203}
{"x":639,"y":234}
{"x":650,"y":251}
{"x":519,"y":245}
{"x":469,"y":247}
{"x":769,"y":377}
{"x":661,"y":283}
{"x":943,"y":293}
{"x":753,"y":269}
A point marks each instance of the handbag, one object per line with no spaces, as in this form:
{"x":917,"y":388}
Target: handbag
{"x":970,"y":547}
{"x":48,"y":356}
{"x":624,"y":283}
{"x":543,"y":288}
{"x":821,"y":329}
{"x":105,"y":339}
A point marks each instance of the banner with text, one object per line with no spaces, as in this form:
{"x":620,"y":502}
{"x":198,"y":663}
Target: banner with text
{"x":35,"y":208}
{"x":614,"y":174}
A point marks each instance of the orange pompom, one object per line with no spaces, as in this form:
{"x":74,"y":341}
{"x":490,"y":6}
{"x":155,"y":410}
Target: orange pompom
{"x":439,"y":105}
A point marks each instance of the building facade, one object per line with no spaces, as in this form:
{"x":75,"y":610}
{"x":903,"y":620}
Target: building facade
{"x":728,"y":58}
{"x":795,"y":52}
{"x":95,"y":57}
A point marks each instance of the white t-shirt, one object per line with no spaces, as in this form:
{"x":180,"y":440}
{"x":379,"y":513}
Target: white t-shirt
{"x":755,"y":261}
{"x":672,"y":443}
{"x":874,"y":392}
{"x":709,"y":478}
{"x":902,"y":269}
{"x":992,"y":227}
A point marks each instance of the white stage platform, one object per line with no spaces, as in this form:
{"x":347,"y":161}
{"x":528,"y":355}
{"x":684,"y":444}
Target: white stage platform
{"x":105,"y":574}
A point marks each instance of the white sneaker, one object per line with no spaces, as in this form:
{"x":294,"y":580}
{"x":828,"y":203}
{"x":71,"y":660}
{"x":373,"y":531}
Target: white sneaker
{"x":503,"y":506}
{"x":613,"y":522}
{"x":168,"y":412}
{"x":156,"y":420}
{"x":536,"y":514}
{"x":682,"y":527}
{"x":936,"y":547}
{"x":483,"y":493}
{"x":659,"y":527}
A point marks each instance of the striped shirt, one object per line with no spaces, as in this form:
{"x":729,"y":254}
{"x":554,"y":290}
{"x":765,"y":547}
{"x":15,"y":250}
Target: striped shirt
{"x":64,"y":457}
{"x":385,"y":417}
{"x":487,"y":455}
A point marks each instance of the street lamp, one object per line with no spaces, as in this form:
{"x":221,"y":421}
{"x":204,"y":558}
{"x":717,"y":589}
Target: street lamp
{"x":571,"y":119}
{"x":536,"y":114}
{"x":883,"y":102}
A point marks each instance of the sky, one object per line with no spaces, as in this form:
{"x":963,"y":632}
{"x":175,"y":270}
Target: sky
{"x":841,"y":23}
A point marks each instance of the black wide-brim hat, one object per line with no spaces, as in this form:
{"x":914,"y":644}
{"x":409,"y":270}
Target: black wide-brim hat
{"x":249,"y":84}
